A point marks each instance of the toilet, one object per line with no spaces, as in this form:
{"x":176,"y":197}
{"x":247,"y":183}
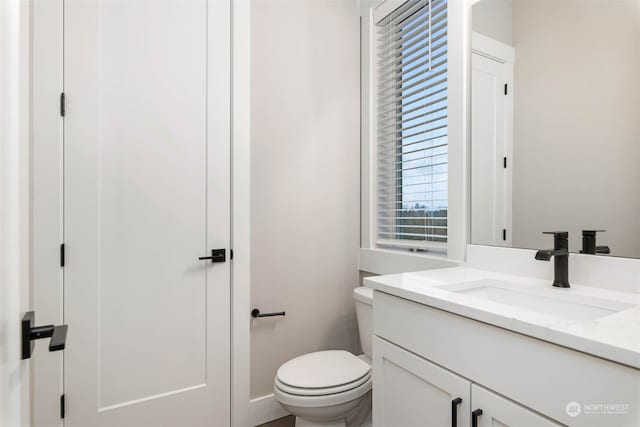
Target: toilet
{"x":331,"y":388}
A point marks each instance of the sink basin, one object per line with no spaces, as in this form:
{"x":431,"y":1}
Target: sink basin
{"x":555,"y":302}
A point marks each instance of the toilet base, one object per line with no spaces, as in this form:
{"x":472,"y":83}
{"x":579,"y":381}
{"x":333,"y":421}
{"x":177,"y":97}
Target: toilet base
{"x":358,"y":415}
{"x":306,"y":423}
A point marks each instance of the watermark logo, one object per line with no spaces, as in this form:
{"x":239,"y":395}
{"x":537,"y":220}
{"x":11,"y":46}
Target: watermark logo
{"x":606,"y":408}
{"x":573,"y":409}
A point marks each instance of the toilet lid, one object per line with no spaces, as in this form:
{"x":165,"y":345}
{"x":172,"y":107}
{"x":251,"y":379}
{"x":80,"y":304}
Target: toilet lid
{"x":323,"y":369}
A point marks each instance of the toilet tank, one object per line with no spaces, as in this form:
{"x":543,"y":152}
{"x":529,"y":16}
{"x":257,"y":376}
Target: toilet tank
{"x":363,"y":298}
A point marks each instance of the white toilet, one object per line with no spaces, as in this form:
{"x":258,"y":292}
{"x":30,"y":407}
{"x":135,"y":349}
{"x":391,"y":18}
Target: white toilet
{"x":331,"y":388}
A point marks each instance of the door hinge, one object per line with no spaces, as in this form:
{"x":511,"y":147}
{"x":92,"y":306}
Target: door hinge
{"x":506,"y":91}
{"x":62,"y":406}
{"x":231,"y":253}
{"x":62,"y":106}
{"x":504,"y":162}
{"x":504,"y":234}
{"x":62,"y":255}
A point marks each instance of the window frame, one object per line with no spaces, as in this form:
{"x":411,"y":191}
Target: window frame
{"x":397,"y":221}
{"x":382,"y":260}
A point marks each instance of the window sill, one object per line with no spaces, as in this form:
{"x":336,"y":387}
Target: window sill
{"x":385,"y":261}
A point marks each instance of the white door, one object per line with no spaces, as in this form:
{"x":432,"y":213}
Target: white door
{"x":498,"y":411}
{"x":146,"y":193}
{"x":490,"y":175}
{"x":410,"y":391}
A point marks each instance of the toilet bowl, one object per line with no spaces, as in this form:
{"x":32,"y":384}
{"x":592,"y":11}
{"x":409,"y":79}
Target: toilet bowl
{"x":331,"y":388}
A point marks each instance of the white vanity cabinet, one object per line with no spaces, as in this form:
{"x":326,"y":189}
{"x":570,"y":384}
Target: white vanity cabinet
{"x":410,"y":391}
{"x":413,"y":392}
{"x":499,"y":411}
{"x":425,"y":357}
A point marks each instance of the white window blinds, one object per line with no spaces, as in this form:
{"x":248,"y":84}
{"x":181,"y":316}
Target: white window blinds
{"x":412,"y":126}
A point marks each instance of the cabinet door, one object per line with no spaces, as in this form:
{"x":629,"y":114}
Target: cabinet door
{"x":409,"y":391}
{"x":500,"y":412}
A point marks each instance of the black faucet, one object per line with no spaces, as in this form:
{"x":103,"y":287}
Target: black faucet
{"x":561,"y":252}
{"x":589,"y":243}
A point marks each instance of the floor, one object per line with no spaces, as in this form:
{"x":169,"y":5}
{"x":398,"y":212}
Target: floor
{"x":282,"y":422}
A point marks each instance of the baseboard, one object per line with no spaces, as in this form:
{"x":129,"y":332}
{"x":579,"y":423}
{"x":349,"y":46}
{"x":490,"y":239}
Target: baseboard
{"x":266,"y":408}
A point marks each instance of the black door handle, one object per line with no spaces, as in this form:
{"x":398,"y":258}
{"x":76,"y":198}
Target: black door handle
{"x":454,"y":411}
{"x":58,"y":338}
{"x":31,"y":333}
{"x":256,"y":313}
{"x":474,"y":417}
{"x":217,"y":255}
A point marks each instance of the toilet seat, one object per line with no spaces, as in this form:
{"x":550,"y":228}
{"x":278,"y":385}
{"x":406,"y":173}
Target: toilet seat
{"x":322,"y":370}
{"x":323,"y":378}
{"x":300,"y":391}
{"x":322,"y":400}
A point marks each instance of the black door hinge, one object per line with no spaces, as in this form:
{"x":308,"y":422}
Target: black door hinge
{"x":505,"y":89}
{"x":504,"y":162}
{"x":62,"y":406}
{"x":504,"y":234}
{"x":231,"y":253}
{"x":62,"y":106}
{"x":62,"y":255}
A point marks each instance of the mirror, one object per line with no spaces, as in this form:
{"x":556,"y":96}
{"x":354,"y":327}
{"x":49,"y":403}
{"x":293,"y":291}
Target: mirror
{"x":555,"y":123}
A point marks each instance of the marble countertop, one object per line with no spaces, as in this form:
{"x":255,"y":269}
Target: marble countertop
{"x":609,"y":328}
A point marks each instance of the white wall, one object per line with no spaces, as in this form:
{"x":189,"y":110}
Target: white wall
{"x":577,"y":126}
{"x":15,"y":196}
{"x":493,"y":18}
{"x":305,"y":180}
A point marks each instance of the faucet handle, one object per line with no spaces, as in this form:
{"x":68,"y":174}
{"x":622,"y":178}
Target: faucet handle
{"x":558,"y":234}
{"x":560,"y":239}
{"x":589,"y":243}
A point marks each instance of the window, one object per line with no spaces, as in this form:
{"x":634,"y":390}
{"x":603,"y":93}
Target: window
{"x":412,"y":184}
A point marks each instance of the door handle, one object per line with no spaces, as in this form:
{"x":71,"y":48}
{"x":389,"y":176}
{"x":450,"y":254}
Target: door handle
{"x":474,"y":417}
{"x":30,"y":333}
{"x":255,"y":313}
{"x":454,"y":411}
{"x":217,"y":255}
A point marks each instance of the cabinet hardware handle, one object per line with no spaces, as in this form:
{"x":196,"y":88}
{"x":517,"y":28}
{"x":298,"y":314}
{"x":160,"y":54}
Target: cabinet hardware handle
{"x":474,"y":417}
{"x":454,"y":411}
